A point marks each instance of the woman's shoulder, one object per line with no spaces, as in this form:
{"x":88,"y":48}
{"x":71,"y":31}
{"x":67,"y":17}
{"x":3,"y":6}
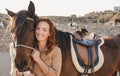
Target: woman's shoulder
{"x":55,"y":50}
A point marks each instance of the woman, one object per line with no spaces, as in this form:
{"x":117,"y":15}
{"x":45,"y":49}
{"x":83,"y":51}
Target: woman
{"x":48,"y":56}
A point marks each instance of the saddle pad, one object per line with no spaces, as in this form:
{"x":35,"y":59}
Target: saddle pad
{"x":76,"y":63}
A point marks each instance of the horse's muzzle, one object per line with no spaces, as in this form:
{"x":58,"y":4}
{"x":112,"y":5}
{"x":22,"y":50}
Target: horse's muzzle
{"x":23,"y":66}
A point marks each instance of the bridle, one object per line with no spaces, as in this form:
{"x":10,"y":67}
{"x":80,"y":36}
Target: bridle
{"x":21,"y":45}
{"x":25,"y":46}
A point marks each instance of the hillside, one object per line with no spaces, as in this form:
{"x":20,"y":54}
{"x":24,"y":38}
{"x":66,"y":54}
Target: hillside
{"x":101,"y":23}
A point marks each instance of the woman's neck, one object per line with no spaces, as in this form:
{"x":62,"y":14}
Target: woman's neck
{"x":42,"y":45}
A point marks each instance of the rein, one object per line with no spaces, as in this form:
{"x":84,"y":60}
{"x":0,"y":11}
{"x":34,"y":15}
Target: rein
{"x":20,"y":45}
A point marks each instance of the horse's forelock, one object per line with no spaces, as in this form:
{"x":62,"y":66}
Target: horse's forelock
{"x":19,"y":20}
{"x":16,"y":20}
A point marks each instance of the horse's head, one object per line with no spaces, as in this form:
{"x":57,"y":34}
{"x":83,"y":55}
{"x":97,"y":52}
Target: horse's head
{"x":22,"y":31}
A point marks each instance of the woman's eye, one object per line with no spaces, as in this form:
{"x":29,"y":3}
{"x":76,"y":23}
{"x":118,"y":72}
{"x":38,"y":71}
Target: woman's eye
{"x":44,"y":30}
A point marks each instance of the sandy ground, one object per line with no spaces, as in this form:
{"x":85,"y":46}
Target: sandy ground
{"x":4,"y":63}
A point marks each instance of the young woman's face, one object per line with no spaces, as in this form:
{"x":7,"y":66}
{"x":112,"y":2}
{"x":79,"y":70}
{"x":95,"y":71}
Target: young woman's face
{"x":42,"y":31}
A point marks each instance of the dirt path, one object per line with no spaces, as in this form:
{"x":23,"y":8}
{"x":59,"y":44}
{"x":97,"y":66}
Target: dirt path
{"x":4,"y":63}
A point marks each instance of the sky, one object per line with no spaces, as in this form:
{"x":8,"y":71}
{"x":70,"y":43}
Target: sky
{"x":59,"y":7}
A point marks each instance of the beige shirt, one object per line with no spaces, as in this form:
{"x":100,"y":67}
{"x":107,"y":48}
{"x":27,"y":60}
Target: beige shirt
{"x":52,"y":60}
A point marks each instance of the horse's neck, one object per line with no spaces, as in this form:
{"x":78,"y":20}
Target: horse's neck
{"x":63,"y":39}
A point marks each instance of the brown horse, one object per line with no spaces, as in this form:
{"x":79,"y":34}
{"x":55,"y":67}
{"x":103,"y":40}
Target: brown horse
{"x":110,"y":49}
{"x":23,"y":38}
{"x":22,"y":31}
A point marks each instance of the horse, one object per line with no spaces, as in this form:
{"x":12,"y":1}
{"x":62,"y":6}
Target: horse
{"x":23,"y":41}
{"x":22,"y":32}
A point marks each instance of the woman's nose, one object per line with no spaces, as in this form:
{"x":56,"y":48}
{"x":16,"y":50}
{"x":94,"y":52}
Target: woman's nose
{"x":40,"y":31}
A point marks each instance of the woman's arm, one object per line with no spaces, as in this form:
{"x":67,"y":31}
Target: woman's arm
{"x":27,"y":73}
{"x":55,"y":69}
{"x":18,"y":73}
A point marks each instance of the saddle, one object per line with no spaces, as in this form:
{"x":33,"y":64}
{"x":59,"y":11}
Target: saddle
{"x":86,"y":49}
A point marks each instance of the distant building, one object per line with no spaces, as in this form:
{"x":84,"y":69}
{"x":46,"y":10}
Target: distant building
{"x":117,"y":8}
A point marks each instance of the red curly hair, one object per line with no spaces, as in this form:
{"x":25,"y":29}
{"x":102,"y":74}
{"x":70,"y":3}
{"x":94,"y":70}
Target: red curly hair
{"x":51,"y":39}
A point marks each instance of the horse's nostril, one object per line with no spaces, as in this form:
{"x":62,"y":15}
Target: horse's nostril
{"x":24,"y":63}
{"x":16,"y":65}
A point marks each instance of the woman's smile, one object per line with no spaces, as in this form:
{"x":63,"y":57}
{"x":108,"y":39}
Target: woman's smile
{"x":42,"y":31}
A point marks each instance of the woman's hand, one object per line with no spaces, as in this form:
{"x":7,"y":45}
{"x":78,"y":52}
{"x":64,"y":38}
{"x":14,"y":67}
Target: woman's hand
{"x":18,"y":73}
{"x":36,"y":56}
{"x":25,"y":74}
{"x":31,"y":74}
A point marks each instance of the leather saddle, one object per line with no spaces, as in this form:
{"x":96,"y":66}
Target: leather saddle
{"x":86,"y":49}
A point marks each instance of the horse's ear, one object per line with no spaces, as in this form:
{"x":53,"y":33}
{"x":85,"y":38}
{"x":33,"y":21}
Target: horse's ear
{"x":31,"y":9}
{"x":10,"y":13}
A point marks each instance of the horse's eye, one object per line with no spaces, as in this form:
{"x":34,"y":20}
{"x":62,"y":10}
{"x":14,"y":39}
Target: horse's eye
{"x":31,"y":30}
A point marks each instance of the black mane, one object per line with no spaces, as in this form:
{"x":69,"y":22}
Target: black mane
{"x":63,"y":41}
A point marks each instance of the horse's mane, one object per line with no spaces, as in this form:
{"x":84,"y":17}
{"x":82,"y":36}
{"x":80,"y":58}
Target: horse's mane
{"x":19,"y":19}
{"x":63,"y":39}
